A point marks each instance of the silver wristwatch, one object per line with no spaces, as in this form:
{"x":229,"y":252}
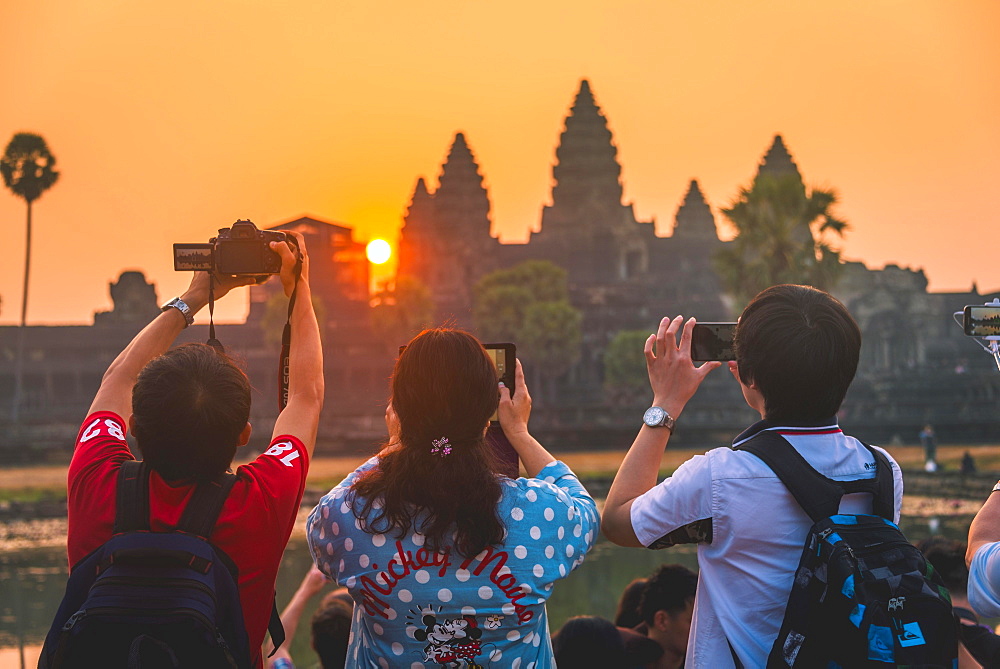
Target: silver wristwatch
{"x":181,"y":306}
{"x":657,"y":417}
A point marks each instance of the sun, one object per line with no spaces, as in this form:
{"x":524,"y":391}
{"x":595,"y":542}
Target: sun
{"x":378,"y":251}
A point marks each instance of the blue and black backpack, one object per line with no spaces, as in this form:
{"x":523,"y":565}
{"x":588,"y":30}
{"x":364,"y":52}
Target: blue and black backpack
{"x":154,"y":599}
{"x":863,"y":595}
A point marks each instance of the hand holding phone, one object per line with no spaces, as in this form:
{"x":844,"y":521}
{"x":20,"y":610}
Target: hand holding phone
{"x":713,"y":341}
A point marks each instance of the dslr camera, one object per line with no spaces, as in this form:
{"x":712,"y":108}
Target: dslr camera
{"x":241,"y":249}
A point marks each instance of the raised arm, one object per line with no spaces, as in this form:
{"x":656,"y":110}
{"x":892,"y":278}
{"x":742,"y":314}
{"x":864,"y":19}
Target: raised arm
{"x":115,"y":393}
{"x":674,"y":380}
{"x":513,"y":413}
{"x":300,"y":418}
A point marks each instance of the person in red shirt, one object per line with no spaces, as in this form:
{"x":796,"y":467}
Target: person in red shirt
{"x":188,"y":409}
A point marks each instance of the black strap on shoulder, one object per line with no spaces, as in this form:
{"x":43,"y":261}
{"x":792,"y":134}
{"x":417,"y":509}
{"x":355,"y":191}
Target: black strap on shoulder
{"x":818,"y":495}
{"x":132,"y":498}
{"x":205,"y":505}
{"x":275,"y":628}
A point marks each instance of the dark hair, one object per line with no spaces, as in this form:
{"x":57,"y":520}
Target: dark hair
{"x":947,"y":556}
{"x":189,"y":407}
{"x":331,"y":631}
{"x":668,"y":589}
{"x":444,"y":386}
{"x":588,"y":641}
{"x":628,"y":606}
{"x":800,"y":346}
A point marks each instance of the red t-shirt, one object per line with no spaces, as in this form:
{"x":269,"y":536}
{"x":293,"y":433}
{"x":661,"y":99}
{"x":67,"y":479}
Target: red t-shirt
{"x":252,"y":529}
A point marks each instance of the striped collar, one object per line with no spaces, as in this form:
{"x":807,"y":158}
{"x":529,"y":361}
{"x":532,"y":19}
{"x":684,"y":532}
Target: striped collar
{"x":826,"y":426}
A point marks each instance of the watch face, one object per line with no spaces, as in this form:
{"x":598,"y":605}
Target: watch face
{"x":654,"y":416}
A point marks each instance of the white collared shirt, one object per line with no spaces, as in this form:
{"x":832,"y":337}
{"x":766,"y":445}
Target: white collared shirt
{"x":756,"y":531}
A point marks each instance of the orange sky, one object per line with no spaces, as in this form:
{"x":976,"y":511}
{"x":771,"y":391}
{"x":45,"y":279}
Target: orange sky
{"x":170,"y":120}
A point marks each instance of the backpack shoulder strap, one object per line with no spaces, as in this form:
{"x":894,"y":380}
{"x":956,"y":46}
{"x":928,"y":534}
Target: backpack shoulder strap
{"x":132,"y":498}
{"x":884,"y":501}
{"x":818,"y":495}
{"x":205,"y":505}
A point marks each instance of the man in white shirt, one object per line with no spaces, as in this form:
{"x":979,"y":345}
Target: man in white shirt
{"x":797,"y":352}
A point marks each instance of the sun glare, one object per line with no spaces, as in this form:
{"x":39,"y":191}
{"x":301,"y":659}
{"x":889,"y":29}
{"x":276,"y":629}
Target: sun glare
{"x":378,"y":251}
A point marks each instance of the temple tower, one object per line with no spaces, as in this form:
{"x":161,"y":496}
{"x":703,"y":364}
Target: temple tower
{"x":694,"y":217}
{"x":778,"y":161}
{"x":587,"y":230}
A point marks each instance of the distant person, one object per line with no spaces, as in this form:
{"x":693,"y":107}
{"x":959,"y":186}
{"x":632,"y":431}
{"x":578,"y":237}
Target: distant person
{"x":666,"y":606}
{"x":628,"y":606}
{"x":330,"y":628}
{"x":968,"y":463}
{"x":980,"y":647}
{"x":797,"y":351}
{"x":449,"y":562}
{"x":188,"y":409}
{"x":929,"y":443}
{"x":589,"y":641}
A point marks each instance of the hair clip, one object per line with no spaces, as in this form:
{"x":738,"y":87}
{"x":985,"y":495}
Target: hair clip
{"x":441,"y":447}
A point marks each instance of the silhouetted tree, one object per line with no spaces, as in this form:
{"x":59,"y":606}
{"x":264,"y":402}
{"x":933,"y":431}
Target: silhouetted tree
{"x":400,"y":313}
{"x":625,"y":375}
{"x":28,"y":170}
{"x":782,"y":237}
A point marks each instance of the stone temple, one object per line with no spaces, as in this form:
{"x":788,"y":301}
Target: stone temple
{"x":916,"y":368}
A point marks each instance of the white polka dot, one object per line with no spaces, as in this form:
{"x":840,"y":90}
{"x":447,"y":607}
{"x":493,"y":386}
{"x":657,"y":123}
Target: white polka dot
{"x":508,"y":609}
{"x":335,"y":528}
{"x":390,"y":614}
{"x":531,"y":665}
{"x":348,"y":544}
{"x":378,"y":540}
{"x":444,"y":594}
{"x":341,"y":569}
{"x":562,"y":570}
{"x":382,"y":662}
{"x":405,"y":596}
{"x":570,"y":512}
{"x":517,"y":513}
{"x":516,"y":664}
{"x":561,"y":533}
{"x":569,"y":550}
{"x":536,"y":533}
{"x":549,"y":514}
{"x":578,"y":530}
{"x":322,"y":533}
{"x":485,"y":592}
{"x":503,"y":571}
{"x":513,"y":635}
{"x":410,"y":630}
{"x":417,"y":665}
{"x":463,"y":575}
{"x":351,"y":580}
{"x":326,"y":512}
{"x":357,"y":523}
{"x":496,"y":655}
{"x":550,"y":551}
{"x":422,"y":576}
{"x":538,"y":571}
{"x":550,"y":479}
{"x":468,"y":611}
{"x":521,"y":552}
{"x":381,"y":579}
{"x":527,"y":637}
{"x":345,"y":507}
{"x":378,"y":629}
{"x":548,"y":587}
{"x":329,"y":549}
{"x":418,"y":540}
{"x":397,"y":649}
{"x":537,"y":640}
{"x":363,"y":560}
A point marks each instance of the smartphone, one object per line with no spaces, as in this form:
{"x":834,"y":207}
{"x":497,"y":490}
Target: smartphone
{"x":504,"y":356}
{"x":982,"y":320}
{"x":712,"y":341}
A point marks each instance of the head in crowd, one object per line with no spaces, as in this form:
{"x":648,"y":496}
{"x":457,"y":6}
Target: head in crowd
{"x":190,"y":408}
{"x":799,"y":346}
{"x":444,"y":387}
{"x":588,"y":641}
{"x":331,"y":630}
{"x":947,"y":556}
{"x":628,"y":606}
{"x":666,"y":606}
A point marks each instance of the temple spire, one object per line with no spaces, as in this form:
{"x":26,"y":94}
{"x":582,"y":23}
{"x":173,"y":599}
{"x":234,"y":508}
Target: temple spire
{"x":778,"y":161}
{"x":587,"y":169}
{"x":694,"y":217}
{"x":461,"y":199}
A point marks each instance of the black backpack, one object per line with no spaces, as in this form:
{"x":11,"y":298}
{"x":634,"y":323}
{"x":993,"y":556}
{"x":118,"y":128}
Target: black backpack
{"x":863,"y":595}
{"x":154,"y":599}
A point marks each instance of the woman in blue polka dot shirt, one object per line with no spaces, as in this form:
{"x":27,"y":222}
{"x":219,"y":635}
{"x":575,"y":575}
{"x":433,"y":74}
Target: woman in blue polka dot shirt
{"x":449,"y":563}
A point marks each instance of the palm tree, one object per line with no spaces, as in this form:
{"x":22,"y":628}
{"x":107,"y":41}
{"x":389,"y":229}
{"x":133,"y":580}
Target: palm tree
{"x":782,"y":237}
{"x":28,"y":169}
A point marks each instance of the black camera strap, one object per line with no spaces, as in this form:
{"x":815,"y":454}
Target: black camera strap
{"x":212,"y":341}
{"x":286,"y":341}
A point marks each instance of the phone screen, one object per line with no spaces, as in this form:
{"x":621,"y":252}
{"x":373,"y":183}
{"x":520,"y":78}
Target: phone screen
{"x":982,"y":321}
{"x":503,"y":356}
{"x":713,"y":341}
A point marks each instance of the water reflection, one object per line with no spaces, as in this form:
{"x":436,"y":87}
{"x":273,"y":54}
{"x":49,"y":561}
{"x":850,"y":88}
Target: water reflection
{"x":32,"y":582}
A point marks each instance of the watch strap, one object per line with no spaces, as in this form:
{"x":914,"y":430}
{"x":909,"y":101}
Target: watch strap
{"x":181,"y":306}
